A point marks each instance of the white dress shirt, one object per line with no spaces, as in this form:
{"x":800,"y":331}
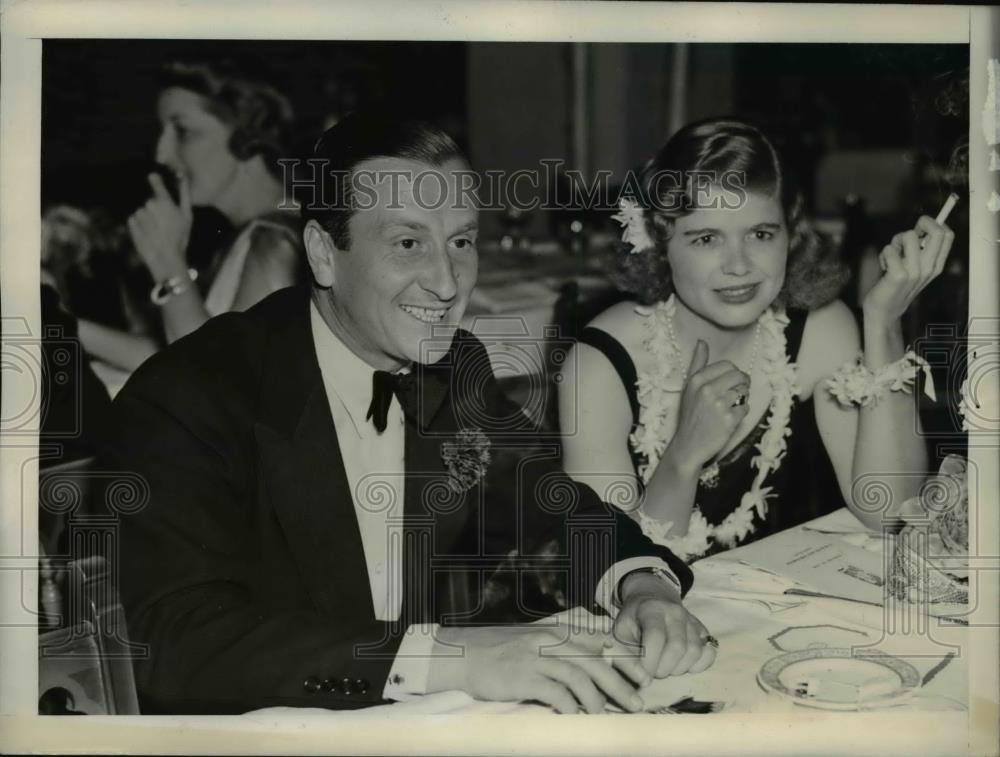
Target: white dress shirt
{"x":375,"y":468}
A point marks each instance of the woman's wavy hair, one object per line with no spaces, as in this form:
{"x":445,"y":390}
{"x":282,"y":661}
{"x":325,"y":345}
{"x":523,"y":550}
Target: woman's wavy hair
{"x":261,"y":117}
{"x":814,"y":274}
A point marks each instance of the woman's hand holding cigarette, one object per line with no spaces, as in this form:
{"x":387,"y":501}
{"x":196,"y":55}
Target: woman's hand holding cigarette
{"x":911,"y":261}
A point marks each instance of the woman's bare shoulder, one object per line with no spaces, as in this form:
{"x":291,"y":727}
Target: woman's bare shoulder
{"x":592,"y":394}
{"x":623,"y":324}
{"x":273,"y":247}
{"x":830,"y":338}
{"x":619,"y":320}
{"x":833,"y":321}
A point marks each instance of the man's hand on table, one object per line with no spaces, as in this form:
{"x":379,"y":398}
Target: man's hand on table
{"x":569,"y":665}
{"x":654,"y":624}
{"x":561,"y":666}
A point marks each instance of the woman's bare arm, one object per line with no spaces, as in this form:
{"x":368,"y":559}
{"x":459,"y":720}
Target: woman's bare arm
{"x":877,"y":451}
{"x":595,"y":419}
{"x":118,"y":348}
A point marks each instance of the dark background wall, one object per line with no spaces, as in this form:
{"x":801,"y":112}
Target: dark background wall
{"x":513,"y":104}
{"x":98,"y":112}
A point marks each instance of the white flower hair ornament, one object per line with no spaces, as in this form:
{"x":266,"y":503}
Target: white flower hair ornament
{"x":634,"y":232}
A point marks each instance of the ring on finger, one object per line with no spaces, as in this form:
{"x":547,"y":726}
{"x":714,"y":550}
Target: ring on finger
{"x":711,"y":641}
{"x":741,"y":399}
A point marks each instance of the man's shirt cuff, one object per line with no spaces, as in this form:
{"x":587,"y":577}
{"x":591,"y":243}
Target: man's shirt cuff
{"x":409,"y":671}
{"x":607,"y":595}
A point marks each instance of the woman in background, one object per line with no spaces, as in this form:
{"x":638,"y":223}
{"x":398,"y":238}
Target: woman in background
{"x":221,"y":135}
{"x":691,"y":394}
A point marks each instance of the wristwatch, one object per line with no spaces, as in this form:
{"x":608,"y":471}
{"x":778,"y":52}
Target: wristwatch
{"x":661,"y":573}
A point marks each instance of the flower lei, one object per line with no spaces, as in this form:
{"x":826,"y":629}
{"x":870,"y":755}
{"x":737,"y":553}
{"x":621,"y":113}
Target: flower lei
{"x":650,"y":436}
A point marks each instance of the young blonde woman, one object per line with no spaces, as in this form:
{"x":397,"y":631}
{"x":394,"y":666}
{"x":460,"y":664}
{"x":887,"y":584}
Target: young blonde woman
{"x":690,"y":403}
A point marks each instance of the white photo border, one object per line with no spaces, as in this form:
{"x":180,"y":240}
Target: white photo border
{"x":25,"y":24}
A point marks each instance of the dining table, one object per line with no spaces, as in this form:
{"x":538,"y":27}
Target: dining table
{"x":759,"y":615}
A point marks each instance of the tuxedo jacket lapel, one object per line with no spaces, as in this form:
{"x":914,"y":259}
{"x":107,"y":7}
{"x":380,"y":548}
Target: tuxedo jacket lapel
{"x":306,"y":482}
{"x":441,"y":526}
{"x":303,"y":471}
{"x":432,"y":386}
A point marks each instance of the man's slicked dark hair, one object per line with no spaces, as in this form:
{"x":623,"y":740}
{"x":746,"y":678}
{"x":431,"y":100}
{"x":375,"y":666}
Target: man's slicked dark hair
{"x":365,"y":136}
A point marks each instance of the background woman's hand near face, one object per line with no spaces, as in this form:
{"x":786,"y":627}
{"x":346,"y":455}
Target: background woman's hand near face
{"x":160,"y":229}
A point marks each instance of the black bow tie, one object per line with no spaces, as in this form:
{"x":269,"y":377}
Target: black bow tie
{"x":384,"y":386}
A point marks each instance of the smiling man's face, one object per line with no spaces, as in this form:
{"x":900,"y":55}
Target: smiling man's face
{"x":411,"y":265}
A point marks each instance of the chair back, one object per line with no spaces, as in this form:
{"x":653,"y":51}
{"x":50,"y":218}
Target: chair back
{"x":63,"y":489}
{"x":85,"y":668}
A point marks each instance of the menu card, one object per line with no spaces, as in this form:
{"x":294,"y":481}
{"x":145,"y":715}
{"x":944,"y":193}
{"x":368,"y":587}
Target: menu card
{"x":816,"y":563}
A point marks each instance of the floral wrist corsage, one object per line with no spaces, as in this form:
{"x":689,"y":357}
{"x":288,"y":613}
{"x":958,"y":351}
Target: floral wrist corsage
{"x":855,"y":384}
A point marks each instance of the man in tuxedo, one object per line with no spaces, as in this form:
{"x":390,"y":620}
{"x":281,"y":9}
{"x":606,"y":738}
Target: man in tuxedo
{"x":335,"y":475}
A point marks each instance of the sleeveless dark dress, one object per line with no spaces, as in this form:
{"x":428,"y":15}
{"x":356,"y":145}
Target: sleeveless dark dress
{"x":804,"y":485}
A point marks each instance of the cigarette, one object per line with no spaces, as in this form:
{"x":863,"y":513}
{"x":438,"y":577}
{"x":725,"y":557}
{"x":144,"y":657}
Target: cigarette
{"x":942,"y":216}
{"x":946,"y":209}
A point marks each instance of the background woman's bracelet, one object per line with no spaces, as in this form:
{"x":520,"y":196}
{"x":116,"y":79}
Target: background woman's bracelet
{"x":171,"y":287}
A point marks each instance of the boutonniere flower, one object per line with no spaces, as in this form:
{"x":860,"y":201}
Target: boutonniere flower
{"x":466,"y":457}
{"x":631,"y":218}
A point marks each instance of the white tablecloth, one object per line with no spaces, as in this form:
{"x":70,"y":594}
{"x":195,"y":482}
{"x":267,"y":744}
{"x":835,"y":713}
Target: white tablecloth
{"x":746,"y":610}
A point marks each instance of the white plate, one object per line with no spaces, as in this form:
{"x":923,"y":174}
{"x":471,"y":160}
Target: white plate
{"x":839,"y":679}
